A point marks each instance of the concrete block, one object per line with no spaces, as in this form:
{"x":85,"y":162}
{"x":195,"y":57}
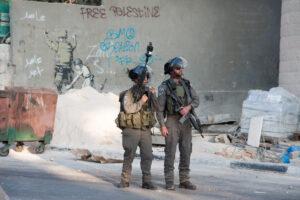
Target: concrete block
{"x":255,"y":129}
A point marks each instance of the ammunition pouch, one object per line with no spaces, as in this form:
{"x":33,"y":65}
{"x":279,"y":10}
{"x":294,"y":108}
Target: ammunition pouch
{"x":139,"y":120}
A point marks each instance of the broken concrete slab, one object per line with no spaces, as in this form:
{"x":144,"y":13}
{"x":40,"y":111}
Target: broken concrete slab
{"x":222,"y":128}
{"x":223,"y":138}
{"x":255,"y":128}
{"x":217,"y":119}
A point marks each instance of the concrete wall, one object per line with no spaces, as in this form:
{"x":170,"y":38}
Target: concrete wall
{"x":231,"y":45}
{"x":290,"y":46}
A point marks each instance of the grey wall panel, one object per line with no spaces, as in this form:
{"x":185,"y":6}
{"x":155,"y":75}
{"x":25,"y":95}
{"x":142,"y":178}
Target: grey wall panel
{"x":232,"y":46}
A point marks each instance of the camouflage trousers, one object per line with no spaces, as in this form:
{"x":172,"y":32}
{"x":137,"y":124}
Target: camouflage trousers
{"x":131,"y":139}
{"x":178,"y":134}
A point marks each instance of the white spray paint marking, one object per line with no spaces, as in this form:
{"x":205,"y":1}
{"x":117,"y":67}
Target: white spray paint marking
{"x":33,"y":16}
{"x":32,"y":65}
{"x":35,"y":72}
{"x":33,"y":61}
{"x":96,"y":52}
{"x":95,"y":55}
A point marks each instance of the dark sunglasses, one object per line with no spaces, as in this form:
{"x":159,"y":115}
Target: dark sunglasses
{"x":178,"y":68}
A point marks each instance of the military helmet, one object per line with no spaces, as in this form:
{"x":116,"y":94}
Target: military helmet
{"x":138,"y":71}
{"x":173,"y":63}
{"x":77,"y":61}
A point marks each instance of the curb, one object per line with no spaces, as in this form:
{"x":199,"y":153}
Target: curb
{"x":281,"y":168}
{"x":3,"y":195}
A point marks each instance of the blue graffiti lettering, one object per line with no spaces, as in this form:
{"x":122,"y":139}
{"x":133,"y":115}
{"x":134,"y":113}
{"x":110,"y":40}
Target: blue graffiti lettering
{"x":120,"y":46}
{"x":123,"y":60}
{"x":105,"y":45}
{"x":128,"y":33}
{"x":120,"y":40}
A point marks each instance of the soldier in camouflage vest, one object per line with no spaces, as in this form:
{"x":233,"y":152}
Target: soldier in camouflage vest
{"x":173,"y":130}
{"x":136,"y":119}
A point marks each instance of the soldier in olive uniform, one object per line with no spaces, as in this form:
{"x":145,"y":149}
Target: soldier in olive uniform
{"x":136,"y":119}
{"x":64,"y":57}
{"x":173,"y":130}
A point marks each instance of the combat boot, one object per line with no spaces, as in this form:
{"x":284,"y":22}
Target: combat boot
{"x":149,"y":186}
{"x":123,"y":184}
{"x":188,"y":185}
{"x":170,"y":186}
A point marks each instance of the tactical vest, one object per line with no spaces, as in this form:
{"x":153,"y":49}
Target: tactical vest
{"x":143,"y":119}
{"x":181,"y":93}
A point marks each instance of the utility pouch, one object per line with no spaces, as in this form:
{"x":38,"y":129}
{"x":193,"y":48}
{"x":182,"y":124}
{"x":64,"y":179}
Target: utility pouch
{"x":121,"y":120}
{"x":148,"y":119}
{"x":145,"y":118}
{"x":128,"y":119}
{"x":136,"y":120}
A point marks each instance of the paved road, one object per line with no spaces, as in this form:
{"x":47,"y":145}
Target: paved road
{"x":55,"y":175}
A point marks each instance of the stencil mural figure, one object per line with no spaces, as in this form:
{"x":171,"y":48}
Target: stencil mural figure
{"x":83,"y":71}
{"x":63,"y":58}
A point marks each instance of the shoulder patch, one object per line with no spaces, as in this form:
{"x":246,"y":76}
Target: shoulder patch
{"x":161,"y":90}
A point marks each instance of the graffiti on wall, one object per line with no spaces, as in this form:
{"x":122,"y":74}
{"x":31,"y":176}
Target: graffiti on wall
{"x":63,"y":49}
{"x":117,"y":11}
{"x":33,"y":16}
{"x":33,"y":66}
{"x":119,"y":47}
{"x":137,"y":12}
{"x":120,"y":43}
{"x":67,"y":69}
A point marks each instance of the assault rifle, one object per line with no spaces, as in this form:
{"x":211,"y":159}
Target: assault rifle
{"x":191,"y":116}
{"x":153,"y":103}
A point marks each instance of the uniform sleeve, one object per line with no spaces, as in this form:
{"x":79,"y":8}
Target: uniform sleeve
{"x":129,"y":105}
{"x":195,"y":98}
{"x":51,"y":44}
{"x":162,"y":98}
